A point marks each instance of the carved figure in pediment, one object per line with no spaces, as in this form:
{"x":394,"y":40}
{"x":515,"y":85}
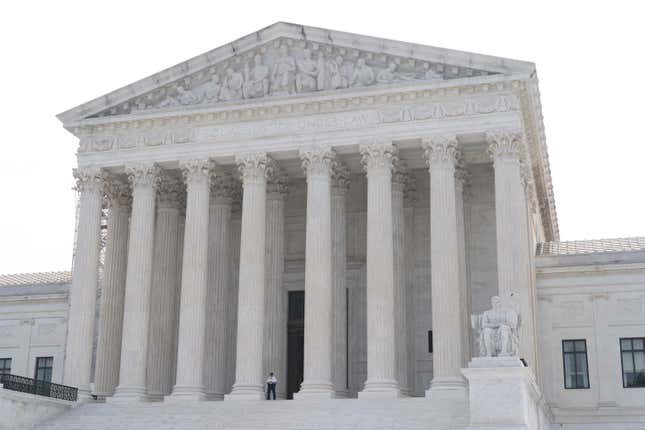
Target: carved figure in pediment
{"x":363,"y":74}
{"x":429,"y":74}
{"x":256,"y":81}
{"x":232,"y":85}
{"x":337,"y":74}
{"x":185,"y":96}
{"x":306,"y":76}
{"x":389,"y":75}
{"x":212,"y":90}
{"x":282,"y":76}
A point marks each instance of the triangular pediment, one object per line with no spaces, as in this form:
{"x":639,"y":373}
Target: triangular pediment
{"x":286,"y":60}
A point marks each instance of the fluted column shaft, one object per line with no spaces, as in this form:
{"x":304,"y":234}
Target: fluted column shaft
{"x":442,"y":155}
{"x":319,"y":294}
{"x":340,"y":186}
{"x":164,"y":303}
{"x":512,"y":227}
{"x":461,"y":177}
{"x":136,"y":308}
{"x":108,"y":349}
{"x":381,"y":348}
{"x":400,"y":302}
{"x":410,"y":263}
{"x":217,"y":300}
{"x":249,"y":378}
{"x":194,"y":283}
{"x":80,"y":334}
{"x":275,"y":333}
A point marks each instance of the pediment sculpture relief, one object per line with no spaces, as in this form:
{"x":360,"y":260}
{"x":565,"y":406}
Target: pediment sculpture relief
{"x":289,"y":67}
{"x":496,"y":330}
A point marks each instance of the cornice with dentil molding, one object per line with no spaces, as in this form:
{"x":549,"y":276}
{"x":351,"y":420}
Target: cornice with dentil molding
{"x":255,"y":167}
{"x":378,"y":155}
{"x":88,"y":180}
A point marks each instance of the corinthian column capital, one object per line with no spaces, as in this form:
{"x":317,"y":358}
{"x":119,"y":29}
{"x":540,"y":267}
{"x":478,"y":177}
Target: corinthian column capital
{"x":195,"y":171}
{"x":399,"y":175}
{"x":377,"y":156}
{"x":88,"y":179}
{"x":278,"y":184}
{"x":223,"y":188}
{"x":340,"y":179}
{"x":505,"y":144}
{"x":143,"y":175}
{"x":441,"y":150}
{"x":171,"y":192}
{"x":117,"y":192}
{"x":318,"y":160}
{"x":254,"y":167}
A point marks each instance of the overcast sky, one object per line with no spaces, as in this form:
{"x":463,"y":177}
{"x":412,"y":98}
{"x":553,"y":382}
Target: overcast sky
{"x":59,"y":54}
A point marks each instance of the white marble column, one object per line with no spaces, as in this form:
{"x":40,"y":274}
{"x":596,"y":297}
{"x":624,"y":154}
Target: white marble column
{"x":164,"y":303}
{"x":108,"y":349}
{"x":409,"y":200}
{"x":512,"y":227}
{"x":233,"y":290}
{"x":275,"y":326}
{"x":442,"y":156}
{"x":189,"y":384}
{"x":381,"y":347}
{"x":80,"y":335}
{"x":340,"y":187}
{"x":461,"y":180}
{"x":219,"y":276}
{"x":249,"y":377}
{"x":136,"y":308}
{"x":318,"y":364}
{"x":399,"y":177}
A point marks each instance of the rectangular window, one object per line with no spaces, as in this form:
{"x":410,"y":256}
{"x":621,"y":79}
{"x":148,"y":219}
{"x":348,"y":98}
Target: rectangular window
{"x":576,"y":369}
{"x":44,"y":366}
{"x":430,"y":341}
{"x":632,"y":357}
{"x":5,"y":366}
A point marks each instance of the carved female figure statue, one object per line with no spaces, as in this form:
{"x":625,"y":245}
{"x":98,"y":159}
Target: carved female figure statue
{"x":256,"y":81}
{"x":307,"y":73}
{"x":211,"y":93}
{"x":337,"y":76}
{"x":363,"y":74}
{"x":282,"y":76}
{"x":232,"y":85}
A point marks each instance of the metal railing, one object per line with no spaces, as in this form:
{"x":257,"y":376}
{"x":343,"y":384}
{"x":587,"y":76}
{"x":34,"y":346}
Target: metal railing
{"x":40,"y":388}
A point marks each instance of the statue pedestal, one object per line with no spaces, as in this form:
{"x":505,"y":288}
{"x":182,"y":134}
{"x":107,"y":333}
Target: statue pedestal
{"x":503,"y":394}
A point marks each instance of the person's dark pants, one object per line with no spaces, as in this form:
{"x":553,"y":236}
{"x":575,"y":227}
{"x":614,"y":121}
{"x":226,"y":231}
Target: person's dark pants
{"x":270,"y":389}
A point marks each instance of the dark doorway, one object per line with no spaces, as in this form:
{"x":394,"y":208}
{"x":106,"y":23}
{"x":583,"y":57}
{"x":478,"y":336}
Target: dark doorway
{"x":295,"y":342}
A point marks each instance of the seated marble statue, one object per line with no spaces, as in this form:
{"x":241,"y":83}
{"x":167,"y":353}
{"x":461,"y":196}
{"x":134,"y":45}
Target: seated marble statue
{"x":497,"y":330}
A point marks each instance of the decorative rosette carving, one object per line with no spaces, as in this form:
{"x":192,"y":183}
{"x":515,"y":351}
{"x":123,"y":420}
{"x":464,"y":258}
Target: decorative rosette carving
{"x":505,"y":144}
{"x":171,"y":192}
{"x":254,"y":167}
{"x":378,"y":156}
{"x":88,"y":180}
{"x":318,"y":160}
{"x":143,"y":175}
{"x":117,"y":192}
{"x":223,"y":188}
{"x":341,"y":178}
{"x":197,"y":171}
{"x":441,"y":150}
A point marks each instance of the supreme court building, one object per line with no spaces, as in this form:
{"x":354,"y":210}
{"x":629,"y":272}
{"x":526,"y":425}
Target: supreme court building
{"x":334,"y":208}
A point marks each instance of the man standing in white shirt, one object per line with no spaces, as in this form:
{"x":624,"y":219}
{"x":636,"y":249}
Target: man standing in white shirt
{"x":271,"y":382}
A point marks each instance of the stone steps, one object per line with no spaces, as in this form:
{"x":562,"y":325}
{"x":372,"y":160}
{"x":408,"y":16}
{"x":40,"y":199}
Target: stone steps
{"x":345,"y":414}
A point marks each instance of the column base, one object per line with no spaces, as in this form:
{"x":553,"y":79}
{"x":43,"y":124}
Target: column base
{"x":186,"y":394}
{"x":448,"y":388}
{"x":246,"y":392}
{"x":84,"y":395}
{"x":155,"y":397}
{"x":380,"y":389}
{"x":214,"y":396}
{"x":129,"y":395}
{"x":342,"y":394}
{"x":315,"y":390}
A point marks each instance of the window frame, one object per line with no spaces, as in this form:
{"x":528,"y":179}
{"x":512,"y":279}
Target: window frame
{"x":44,"y":368}
{"x":3,"y":368}
{"x":574,"y":352}
{"x":632,"y":351}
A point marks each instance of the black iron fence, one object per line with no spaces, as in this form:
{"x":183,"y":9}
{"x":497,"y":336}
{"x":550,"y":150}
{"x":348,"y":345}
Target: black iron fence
{"x":41,"y":388}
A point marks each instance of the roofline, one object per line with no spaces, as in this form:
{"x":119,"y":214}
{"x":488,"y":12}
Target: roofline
{"x":300,"y":32}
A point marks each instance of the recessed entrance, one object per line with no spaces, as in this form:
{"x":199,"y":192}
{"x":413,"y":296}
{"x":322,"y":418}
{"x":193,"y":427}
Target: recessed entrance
{"x":295,"y":342}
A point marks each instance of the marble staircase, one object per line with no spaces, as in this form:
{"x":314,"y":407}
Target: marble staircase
{"x":345,"y":414}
